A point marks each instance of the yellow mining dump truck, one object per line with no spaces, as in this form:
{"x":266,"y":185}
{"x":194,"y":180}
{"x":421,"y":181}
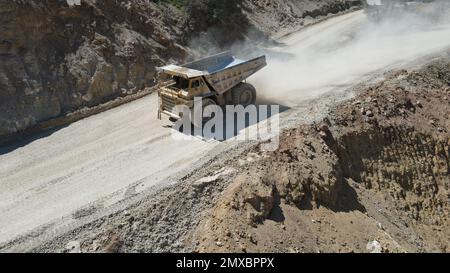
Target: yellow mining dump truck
{"x":218,"y":80}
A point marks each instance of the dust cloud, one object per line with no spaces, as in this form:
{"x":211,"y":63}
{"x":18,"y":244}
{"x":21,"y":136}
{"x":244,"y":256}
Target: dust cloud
{"x":340,"y":51}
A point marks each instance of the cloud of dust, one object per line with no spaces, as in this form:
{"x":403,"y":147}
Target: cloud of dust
{"x":343,"y":50}
{"x":338,"y":52}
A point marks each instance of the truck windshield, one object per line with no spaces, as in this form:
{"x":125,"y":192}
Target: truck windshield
{"x":181,"y":83}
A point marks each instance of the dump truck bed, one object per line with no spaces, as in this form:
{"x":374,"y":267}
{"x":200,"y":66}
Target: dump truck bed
{"x":222,"y":71}
{"x":216,"y":63}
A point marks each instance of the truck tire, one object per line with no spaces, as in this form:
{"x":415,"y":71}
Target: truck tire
{"x":199,"y":121}
{"x":244,"y":94}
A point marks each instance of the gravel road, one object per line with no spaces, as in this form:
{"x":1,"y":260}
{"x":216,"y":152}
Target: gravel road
{"x":104,"y":159}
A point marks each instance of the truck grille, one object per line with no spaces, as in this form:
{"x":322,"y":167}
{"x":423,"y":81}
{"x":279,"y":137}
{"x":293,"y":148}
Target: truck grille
{"x":168,"y":103}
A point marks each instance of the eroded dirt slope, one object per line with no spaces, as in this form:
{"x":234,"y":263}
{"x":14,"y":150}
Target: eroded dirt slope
{"x":374,"y":176}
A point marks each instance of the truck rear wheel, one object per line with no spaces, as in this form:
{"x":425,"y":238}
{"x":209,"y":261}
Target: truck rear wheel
{"x":197,"y":118}
{"x":244,"y":94}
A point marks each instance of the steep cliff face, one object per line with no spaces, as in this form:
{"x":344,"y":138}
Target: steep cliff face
{"x":57,"y":56}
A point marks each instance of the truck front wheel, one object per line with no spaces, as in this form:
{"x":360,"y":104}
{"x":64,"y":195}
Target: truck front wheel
{"x":197,"y":118}
{"x":244,"y":94}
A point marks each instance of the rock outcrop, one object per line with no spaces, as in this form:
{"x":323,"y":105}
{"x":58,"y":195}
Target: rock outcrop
{"x":56,"y":58}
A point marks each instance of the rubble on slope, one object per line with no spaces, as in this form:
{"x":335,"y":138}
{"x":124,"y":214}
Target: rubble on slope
{"x":373,"y":176}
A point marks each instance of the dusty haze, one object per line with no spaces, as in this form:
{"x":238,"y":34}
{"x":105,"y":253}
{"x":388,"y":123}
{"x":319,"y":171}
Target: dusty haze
{"x":325,"y":60}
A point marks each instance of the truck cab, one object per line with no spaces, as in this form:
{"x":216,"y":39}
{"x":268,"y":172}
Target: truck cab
{"x":179,"y":89}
